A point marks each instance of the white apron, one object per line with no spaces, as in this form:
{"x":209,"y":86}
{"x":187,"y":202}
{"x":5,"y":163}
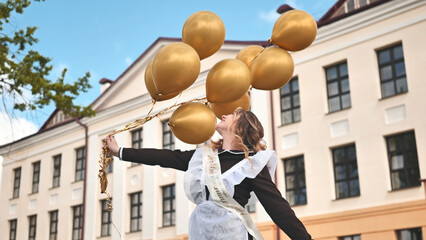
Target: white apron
{"x":209,"y":221}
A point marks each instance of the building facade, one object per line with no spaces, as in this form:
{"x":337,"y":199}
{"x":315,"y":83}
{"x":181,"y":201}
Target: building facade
{"x":349,"y":130}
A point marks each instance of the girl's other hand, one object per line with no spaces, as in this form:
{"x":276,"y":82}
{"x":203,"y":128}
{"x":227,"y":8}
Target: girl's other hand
{"x":112,"y":145}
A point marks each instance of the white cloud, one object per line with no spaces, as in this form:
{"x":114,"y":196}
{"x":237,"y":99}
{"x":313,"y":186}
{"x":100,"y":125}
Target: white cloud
{"x":19,"y":128}
{"x":270,"y":16}
{"x":128,"y":61}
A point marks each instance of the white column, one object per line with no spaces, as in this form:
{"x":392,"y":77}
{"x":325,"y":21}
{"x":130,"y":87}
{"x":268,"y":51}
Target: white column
{"x":152,"y":135}
{"x":261,"y":107}
{"x":183,"y":208}
{"x":119,"y":196}
{"x":90,"y":224}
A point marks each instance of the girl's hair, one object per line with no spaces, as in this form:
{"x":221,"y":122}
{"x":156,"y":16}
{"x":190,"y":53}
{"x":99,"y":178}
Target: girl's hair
{"x":248,"y":132}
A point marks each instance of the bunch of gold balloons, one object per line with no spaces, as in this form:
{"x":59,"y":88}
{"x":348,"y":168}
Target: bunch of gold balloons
{"x":177,"y":66}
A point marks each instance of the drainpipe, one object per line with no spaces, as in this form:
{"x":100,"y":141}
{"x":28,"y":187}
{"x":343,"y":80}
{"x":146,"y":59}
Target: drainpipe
{"x":271,"y":99}
{"x":86,"y":129}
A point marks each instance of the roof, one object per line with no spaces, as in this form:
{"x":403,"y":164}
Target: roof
{"x":330,"y":16}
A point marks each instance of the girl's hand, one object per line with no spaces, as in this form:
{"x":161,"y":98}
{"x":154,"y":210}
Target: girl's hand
{"x":112,"y":145}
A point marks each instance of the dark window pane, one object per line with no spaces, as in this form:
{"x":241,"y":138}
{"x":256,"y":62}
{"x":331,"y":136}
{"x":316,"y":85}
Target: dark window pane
{"x":353,"y":170}
{"x":354,"y":185}
{"x":343,"y":68}
{"x":346,"y":101}
{"x":361,"y":4}
{"x":388,"y":89}
{"x":295,"y":85}
{"x":397,"y":52}
{"x":296,"y":115}
{"x":287,"y":116}
{"x":331,"y":73}
{"x":342,"y":189}
{"x":333,"y":88}
{"x":296,"y":100}
{"x":290,"y":181}
{"x":341,"y":172}
{"x":286,"y":89}
{"x":344,"y":85}
{"x":401,"y":85}
{"x":384,"y":57}
{"x":290,"y":166}
{"x":350,"y":5}
{"x":334,"y":104}
{"x":339,"y":155}
{"x":290,"y":197}
{"x":397,"y":162}
{"x":386,"y":73}
{"x":400,"y":69}
{"x":286,"y":103}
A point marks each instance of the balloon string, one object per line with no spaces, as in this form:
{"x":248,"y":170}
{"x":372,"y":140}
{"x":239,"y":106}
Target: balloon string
{"x":269,"y":44}
{"x":152,"y":106}
{"x":106,"y":156}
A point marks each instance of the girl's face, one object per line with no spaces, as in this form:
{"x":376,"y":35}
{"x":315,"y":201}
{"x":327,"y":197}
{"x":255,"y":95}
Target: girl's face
{"x":224,"y":124}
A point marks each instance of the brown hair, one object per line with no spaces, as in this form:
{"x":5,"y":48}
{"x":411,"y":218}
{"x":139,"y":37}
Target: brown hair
{"x":248,"y":132}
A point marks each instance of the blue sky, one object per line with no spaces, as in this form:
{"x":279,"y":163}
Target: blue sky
{"x":105,"y":37}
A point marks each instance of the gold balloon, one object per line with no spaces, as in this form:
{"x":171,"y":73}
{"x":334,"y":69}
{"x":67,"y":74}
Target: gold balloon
{"x":272,"y":69}
{"x":227,"y":108}
{"x":227,"y":81}
{"x":175,"y":68}
{"x":193,"y":123}
{"x":247,"y":54}
{"x":149,"y":83}
{"x":205,"y":32}
{"x":294,"y":30}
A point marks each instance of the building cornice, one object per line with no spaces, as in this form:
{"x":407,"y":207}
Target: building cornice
{"x":364,"y":19}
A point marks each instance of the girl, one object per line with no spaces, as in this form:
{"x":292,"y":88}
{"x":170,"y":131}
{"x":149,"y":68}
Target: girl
{"x":244,"y":174}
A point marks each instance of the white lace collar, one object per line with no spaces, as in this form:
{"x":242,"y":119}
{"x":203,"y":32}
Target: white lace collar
{"x":234,"y":152}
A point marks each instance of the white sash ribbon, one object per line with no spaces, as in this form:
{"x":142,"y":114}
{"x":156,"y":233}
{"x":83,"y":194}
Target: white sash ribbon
{"x":219,"y":194}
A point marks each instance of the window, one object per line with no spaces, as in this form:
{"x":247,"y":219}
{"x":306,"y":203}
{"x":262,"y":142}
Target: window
{"x":16,"y":182}
{"x":136,"y":212}
{"x":36,"y":177}
{"x":290,"y":104}
{"x":346,"y":172}
{"x":77,"y":223}
{"x":79,"y":164}
{"x":169,"y":206}
{"x":393,"y":79}
{"x":13,"y":224}
{"x":105,"y":219}
{"x":168,"y":140}
{"x":53,"y":232}
{"x":56,"y":171}
{"x":295,"y":185}
{"x":403,"y":161}
{"x":353,"y":237}
{"x":338,"y":93}
{"x":32,"y":227}
{"x":410,"y":234}
{"x":251,"y":208}
{"x":355,"y":4}
{"x":136,"y":141}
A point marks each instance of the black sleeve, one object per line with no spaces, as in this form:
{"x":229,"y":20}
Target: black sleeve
{"x":277,"y":207}
{"x":176,"y":159}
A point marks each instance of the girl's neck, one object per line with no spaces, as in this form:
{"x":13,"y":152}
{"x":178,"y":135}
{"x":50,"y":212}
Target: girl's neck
{"x":228,"y":142}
